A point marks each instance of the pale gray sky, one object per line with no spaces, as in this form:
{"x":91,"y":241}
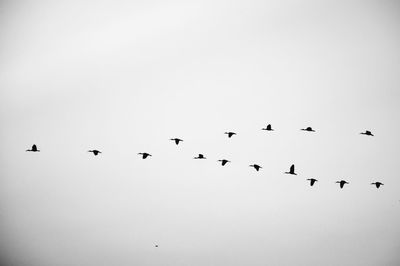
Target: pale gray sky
{"x":125,"y":76}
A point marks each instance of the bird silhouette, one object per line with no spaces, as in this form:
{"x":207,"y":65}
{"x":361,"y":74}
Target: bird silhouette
{"x":224,"y":161}
{"x":377,"y":184}
{"x":255,"y":166}
{"x":156,"y":246}
{"x":33,"y":149}
{"x":200,"y":156}
{"x":291,"y":171}
{"x":308,"y":129}
{"x":230,"y":134}
{"x":367,"y":133}
{"x":177,"y":140}
{"x":342,"y":183}
{"x":312,"y":181}
{"x":144,"y":154}
{"x":268,"y":128}
{"x":95,"y":152}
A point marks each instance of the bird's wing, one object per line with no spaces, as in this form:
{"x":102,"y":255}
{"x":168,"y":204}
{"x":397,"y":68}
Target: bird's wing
{"x":292,"y":168}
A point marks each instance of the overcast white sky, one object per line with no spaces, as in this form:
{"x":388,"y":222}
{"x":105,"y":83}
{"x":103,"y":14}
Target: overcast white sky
{"x":126,"y":76}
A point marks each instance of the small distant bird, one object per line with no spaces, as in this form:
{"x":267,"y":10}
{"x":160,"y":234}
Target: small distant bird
{"x":291,"y":171}
{"x":156,"y":246}
{"x":308,"y":129}
{"x":268,"y":128}
{"x":200,"y":156}
{"x":224,"y":161}
{"x":33,"y":149}
{"x":312,"y":181}
{"x":95,"y":152}
{"x":230,"y":134}
{"x":342,"y":183}
{"x":367,"y":133}
{"x":144,"y":154}
{"x":177,"y":140}
{"x":377,"y":184}
{"x":255,"y":166}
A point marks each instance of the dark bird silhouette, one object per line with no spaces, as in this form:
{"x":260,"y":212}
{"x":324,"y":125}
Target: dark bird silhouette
{"x":33,"y":149}
{"x":95,"y":152}
{"x":144,"y":154}
{"x":230,"y":134}
{"x":291,"y":171}
{"x":367,"y":133}
{"x":177,"y":140}
{"x":255,"y":166}
{"x":342,"y":183}
{"x":312,"y":181}
{"x":224,"y":161}
{"x":200,"y":156}
{"x":308,"y":129}
{"x":377,"y":184}
{"x":268,"y":128}
{"x":156,"y":246}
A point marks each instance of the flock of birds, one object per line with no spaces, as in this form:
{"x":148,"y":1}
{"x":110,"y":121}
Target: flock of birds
{"x":223,"y":162}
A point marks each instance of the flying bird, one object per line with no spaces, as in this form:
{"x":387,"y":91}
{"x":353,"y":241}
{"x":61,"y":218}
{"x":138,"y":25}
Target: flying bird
{"x":255,"y":166}
{"x":342,"y":183}
{"x":95,"y":152}
{"x":144,"y":154}
{"x":367,"y":133}
{"x":377,"y":184}
{"x":308,"y":129}
{"x":312,"y":181}
{"x":268,"y":128}
{"x":224,"y":161}
{"x":291,"y":171}
{"x":230,"y":134}
{"x":200,"y":156}
{"x":33,"y":149}
{"x":177,"y":140}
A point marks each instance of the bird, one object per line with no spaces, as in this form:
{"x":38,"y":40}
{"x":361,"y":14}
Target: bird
{"x":312,"y":181}
{"x":308,"y":129}
{"x":177,"y":140}
{"x":144,"y":154}
{"x":256,"y":166}
{"x":224,"y":161}
{"x":230,"y":134}
{"x":291,"y":171}
{"x":200,"y":156}
{"x":268,"y":128}
{"x":342,"y":183}
{"x":95,"y":152}
{"x":377,"y":184}
{"x":367,"y":133}
{"x":33,"y":149}
{"x":156,"y":246}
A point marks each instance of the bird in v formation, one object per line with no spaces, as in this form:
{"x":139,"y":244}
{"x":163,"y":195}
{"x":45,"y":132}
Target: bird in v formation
{"x":257,"y":167}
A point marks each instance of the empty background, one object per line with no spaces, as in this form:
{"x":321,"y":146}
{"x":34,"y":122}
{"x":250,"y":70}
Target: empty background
{"x":124,"y":77}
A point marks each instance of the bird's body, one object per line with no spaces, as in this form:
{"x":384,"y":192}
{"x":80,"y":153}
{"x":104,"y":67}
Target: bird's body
{"x":95,"y":152}
{"x":377,"y":184}
{"x":144,"y":154}
{"x":342,"y":183}
{"x":156,"y":246}
{"x":256,"y":166}
{"x":230,"y":134}
{"x":291,"y":170}
{"x":268,"y":128}
{"x":200,"y":156}
{"x":224,"y":161}
{"x":312,"y":181}
{"x":176,"y":140}
{"x":367,"y":133}
{"x":309,"y":129}
{"x":33,"y":149}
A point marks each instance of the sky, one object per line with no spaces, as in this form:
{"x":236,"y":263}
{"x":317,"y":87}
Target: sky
{"x":126,"y":76}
